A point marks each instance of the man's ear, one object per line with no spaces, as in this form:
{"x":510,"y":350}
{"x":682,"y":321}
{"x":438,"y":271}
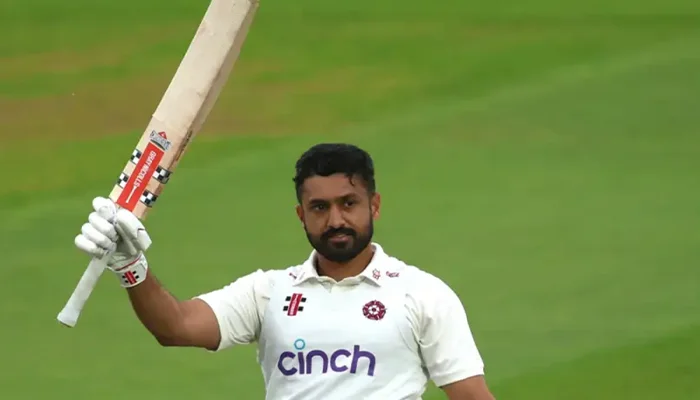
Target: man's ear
{"x":300,"y":213}
{"x":375,"y":204}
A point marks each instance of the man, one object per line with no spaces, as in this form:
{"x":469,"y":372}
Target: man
{"x":351,"y":322}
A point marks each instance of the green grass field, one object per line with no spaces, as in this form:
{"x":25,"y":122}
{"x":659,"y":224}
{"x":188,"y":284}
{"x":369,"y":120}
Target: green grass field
{"x":557,"y":159}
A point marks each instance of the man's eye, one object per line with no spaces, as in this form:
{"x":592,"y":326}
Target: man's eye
{"x":319,"y":207}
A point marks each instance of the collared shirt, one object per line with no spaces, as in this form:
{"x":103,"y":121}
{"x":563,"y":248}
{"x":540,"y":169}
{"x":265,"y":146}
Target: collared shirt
{"x":379,"y":335}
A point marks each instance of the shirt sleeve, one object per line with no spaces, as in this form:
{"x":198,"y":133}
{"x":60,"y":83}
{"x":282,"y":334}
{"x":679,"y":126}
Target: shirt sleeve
{"x":239,"y":307}
{"x":445,"y":339}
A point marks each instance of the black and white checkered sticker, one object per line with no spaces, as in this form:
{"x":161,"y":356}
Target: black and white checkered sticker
{"x":162,"y":175}
{"x":148,"y":198}
{"x":123,"y":178}
{"x":135,"y":156}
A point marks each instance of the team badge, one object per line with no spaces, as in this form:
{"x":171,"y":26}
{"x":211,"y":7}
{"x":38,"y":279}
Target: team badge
{"x":374,"y":310}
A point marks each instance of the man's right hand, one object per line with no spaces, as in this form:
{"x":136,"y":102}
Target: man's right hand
{"x":117,"y":236}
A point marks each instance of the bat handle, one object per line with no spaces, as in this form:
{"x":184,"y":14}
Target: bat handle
{"x":71,"y":311}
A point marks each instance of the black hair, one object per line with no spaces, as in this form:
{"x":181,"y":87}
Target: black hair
{"x":326,"y":159}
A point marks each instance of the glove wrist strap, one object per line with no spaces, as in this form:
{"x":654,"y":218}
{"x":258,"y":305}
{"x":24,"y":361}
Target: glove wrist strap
{"x":132,"y":273}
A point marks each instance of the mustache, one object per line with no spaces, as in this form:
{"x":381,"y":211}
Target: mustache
{"x":338,"y":231}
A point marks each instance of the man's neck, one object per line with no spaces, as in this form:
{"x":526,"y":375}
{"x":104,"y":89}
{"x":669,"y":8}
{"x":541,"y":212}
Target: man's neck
{"x":340,"y":271}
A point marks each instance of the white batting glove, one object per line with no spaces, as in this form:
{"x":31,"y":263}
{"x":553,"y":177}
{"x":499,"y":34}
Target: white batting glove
{"x":117,"y":236}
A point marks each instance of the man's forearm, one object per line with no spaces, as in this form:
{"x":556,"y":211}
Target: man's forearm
{"x":157,"y":309}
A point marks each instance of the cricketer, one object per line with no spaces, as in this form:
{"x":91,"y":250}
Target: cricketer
{"x":349,"y":322}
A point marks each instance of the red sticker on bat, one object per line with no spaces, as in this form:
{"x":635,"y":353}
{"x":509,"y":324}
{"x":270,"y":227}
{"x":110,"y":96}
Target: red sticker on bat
{"x":134,"y":187}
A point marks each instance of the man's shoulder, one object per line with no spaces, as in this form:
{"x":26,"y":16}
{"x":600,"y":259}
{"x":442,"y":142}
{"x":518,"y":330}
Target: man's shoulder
{"x":286,"y":274}
{"x":426,"y":292}
{"x":279,"y":274}
{"x":419,"y":283}
{"x":411,"y":275}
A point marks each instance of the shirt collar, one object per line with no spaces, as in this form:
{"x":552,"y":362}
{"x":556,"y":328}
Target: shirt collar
{"x":372,"y":272}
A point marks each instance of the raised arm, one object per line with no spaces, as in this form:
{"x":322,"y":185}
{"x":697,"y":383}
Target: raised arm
{"x":211,"y":321}
{"x":173,"y":322}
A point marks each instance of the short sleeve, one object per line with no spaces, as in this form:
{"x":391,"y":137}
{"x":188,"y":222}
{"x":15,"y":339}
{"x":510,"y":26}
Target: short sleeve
{"x":446,"y":342}
{"x":238,"y":308}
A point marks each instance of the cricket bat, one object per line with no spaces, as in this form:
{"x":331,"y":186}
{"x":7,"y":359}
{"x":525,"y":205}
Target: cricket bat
{"x":182,"y":110}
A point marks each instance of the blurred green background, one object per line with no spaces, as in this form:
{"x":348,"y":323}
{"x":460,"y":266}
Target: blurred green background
{"x":540,"y":156}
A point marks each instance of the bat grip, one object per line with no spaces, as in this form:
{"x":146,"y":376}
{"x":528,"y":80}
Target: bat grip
{"x":74,"y":306}
{"x":71,"y":311}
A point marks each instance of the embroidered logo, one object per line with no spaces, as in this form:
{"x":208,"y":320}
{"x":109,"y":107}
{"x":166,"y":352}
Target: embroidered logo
{"x":294,"y":304}
{"x":374,"y":310}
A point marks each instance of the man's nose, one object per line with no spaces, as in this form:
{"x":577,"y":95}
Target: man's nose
{"x":336,"y":220}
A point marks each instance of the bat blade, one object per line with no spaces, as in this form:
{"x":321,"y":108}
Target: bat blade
{"x":179,"y":116}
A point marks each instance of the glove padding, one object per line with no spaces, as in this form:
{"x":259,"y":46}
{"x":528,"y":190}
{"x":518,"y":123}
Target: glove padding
{"x":114,"y":233}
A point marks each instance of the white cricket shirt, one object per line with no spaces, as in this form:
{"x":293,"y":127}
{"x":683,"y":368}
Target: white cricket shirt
{"x":377,"y":336}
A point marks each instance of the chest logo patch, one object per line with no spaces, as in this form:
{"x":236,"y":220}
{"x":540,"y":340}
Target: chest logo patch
{"x":374,"y":310}
{"x":294,"y":304}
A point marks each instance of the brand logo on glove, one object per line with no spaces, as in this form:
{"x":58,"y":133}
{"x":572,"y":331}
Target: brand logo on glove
{"x":130,"y":278}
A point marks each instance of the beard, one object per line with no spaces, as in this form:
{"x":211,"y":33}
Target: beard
{"x":344,"y":251}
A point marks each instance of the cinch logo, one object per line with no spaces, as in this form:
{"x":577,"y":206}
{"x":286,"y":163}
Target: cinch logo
{"x":319,"y":361}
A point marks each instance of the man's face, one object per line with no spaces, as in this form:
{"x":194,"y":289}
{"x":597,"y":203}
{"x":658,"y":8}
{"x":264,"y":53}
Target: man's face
{"x":338,"y":215}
